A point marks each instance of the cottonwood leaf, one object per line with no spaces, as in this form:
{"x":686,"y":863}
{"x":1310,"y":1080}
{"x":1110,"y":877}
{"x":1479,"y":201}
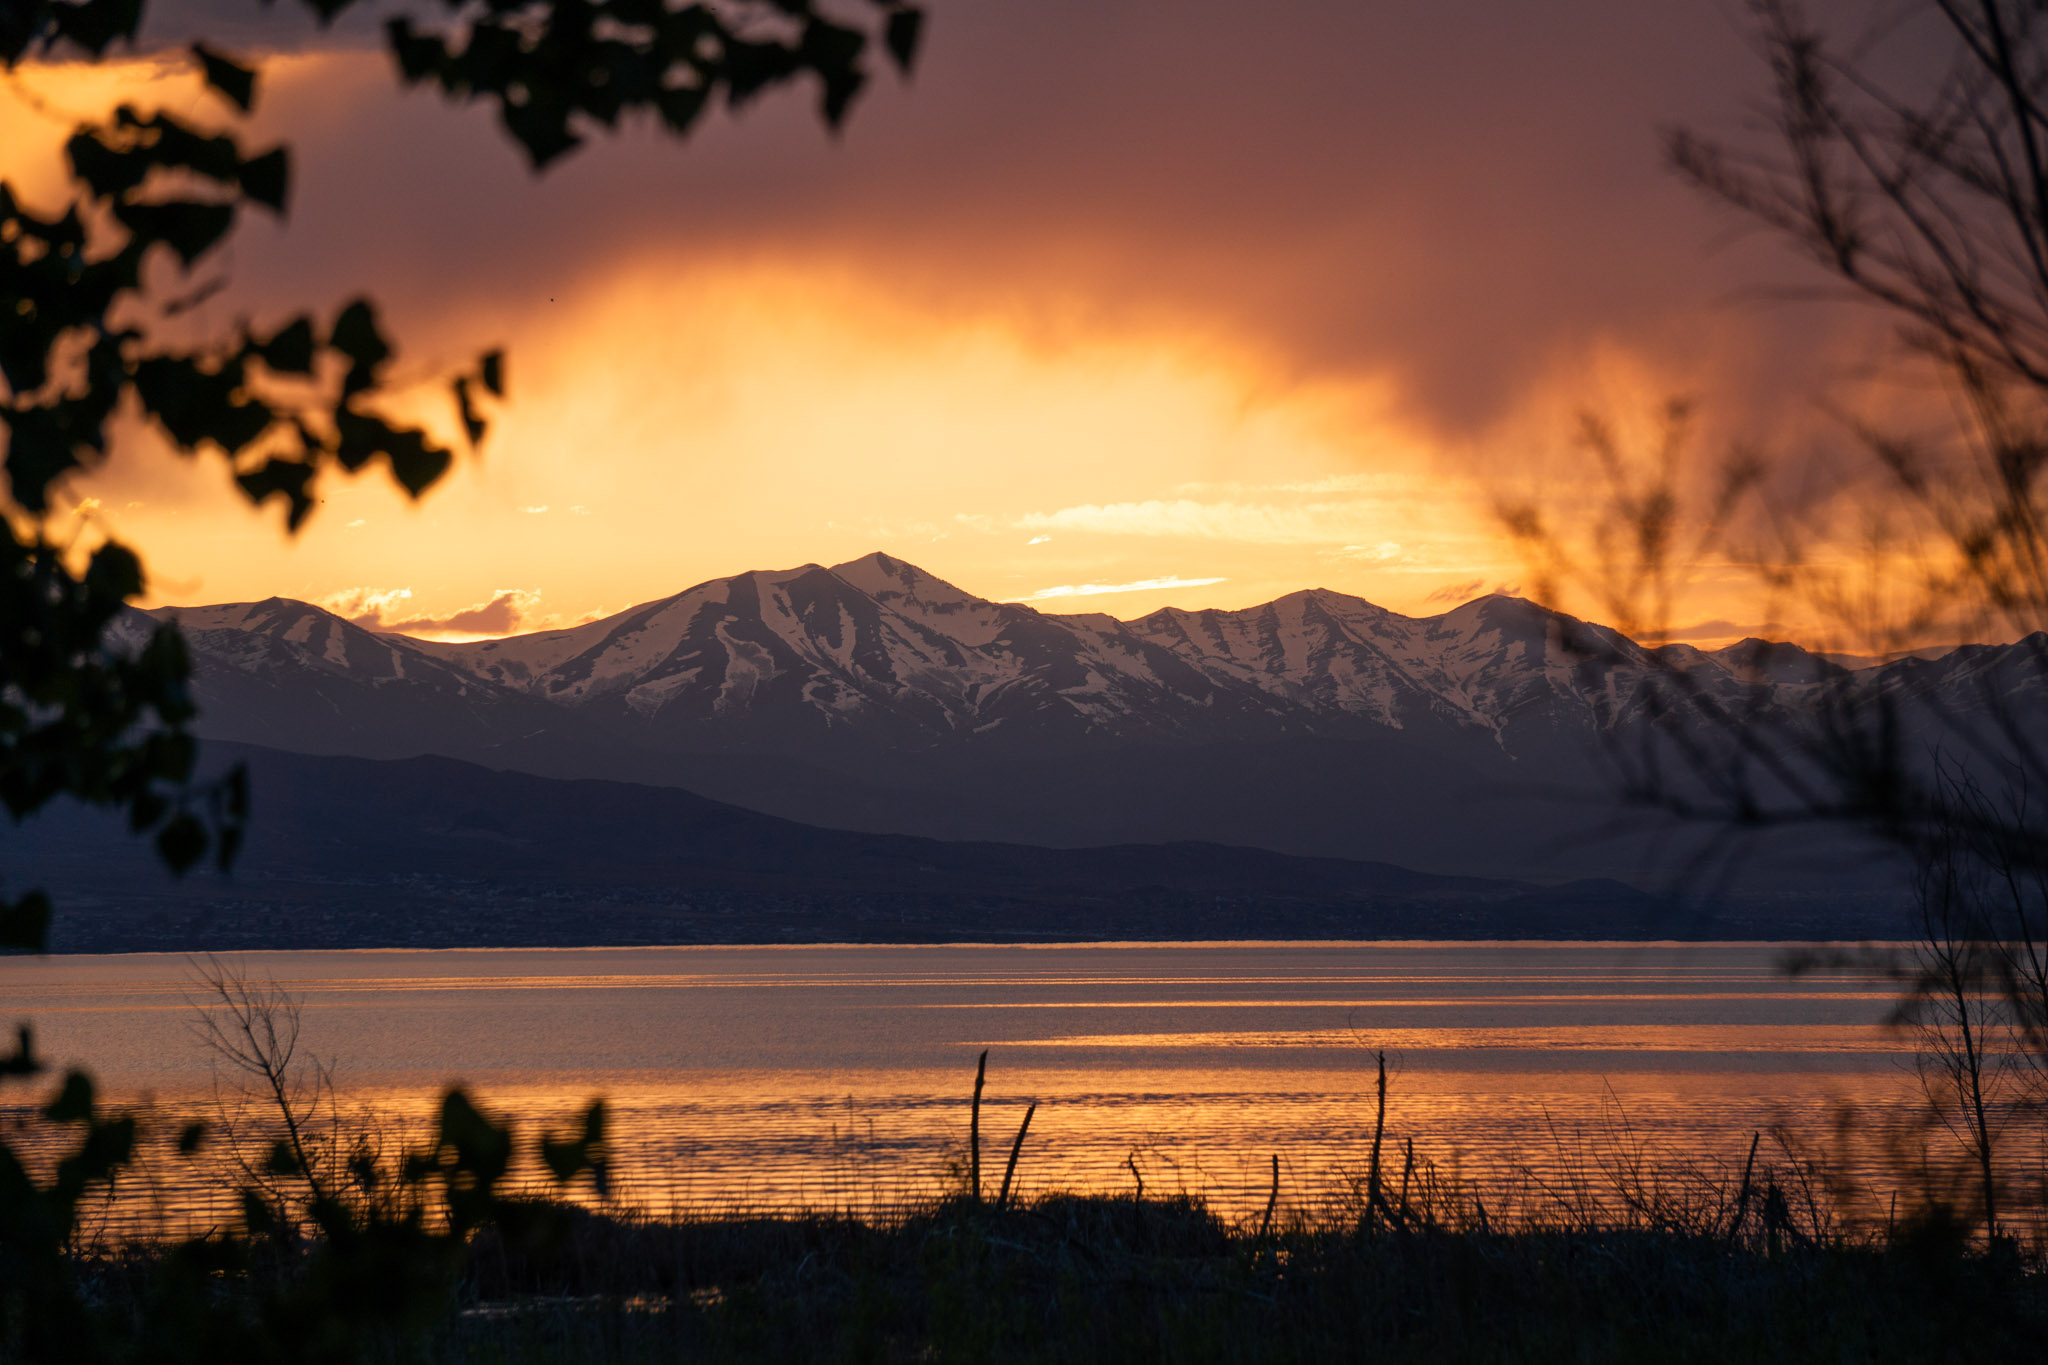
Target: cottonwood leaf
{"x":187,"y":228}
{"x":73,"y":1102}
{"x":901,"y":34}
{"x":290,"y":349}
{"x":181,"y":843}
{"x":230,"y":77}
{"x":356,"y":336}
{"x":267,"y":179}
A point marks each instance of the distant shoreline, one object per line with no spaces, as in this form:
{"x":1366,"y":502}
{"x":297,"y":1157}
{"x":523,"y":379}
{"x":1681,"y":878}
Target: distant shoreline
{"x":1046,"y":944}
{"x":880,"y":945}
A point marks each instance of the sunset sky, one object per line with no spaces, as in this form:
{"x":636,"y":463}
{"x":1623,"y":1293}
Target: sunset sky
{"x":1112,"y":306}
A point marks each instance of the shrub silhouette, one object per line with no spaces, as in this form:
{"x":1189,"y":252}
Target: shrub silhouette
{"x":83,"y":336}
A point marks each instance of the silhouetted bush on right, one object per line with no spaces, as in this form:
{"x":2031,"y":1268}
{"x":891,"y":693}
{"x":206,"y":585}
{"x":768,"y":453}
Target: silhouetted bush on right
{"x":1923,"y":198}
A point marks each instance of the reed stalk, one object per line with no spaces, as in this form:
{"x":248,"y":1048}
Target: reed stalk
{"x":1742,"y":1195}
{"x":1407,"y":1170}
{"x":974,"y":1130}
{"x":1010,"y":1170}
{"x":1379,"y":1129}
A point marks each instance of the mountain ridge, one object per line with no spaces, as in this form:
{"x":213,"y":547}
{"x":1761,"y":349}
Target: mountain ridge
{"x":880,"y":638}
{"x":875,"y":696}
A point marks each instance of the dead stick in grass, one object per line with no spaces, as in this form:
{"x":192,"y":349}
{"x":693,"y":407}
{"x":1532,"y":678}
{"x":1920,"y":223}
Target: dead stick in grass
{"x":1407,"y":1170}
{"x":1010,"y":1171}
{"x":1374,"y":1201}
{"x":1376,"y":1205}
{"x":974,"y":1130}
{"x":1272,"y":1200}
{"x":1742,"y":1197}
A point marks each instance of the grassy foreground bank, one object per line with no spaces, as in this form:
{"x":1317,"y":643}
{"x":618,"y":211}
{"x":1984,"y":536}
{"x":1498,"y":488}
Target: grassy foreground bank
{"x":1106,"y":1278}
{"x":470,"y":1243}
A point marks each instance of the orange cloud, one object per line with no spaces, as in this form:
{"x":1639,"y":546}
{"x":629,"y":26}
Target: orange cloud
{"x":1167,"y":583}
{"x":506,"y":613}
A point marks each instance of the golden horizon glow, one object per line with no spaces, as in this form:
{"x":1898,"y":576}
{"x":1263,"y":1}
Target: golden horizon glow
{"x":733,"y":416}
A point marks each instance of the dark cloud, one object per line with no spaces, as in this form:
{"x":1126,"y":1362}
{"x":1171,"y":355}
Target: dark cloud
{"x":1453,"y":194}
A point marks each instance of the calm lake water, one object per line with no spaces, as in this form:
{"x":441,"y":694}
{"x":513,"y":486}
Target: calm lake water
{"x":837,"y":1076}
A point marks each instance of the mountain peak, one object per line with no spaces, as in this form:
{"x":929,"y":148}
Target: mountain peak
{"x":1497,"y":608}
{"x":272,"y":613}
{"x":896,"y":581}
{"x":877,"y":562}
{"x":1774,"y":661}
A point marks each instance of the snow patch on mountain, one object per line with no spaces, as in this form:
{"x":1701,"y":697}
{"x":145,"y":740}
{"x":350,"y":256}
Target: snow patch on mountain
{"x":878,"y":647}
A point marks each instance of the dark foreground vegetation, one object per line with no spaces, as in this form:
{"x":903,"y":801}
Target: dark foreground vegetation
{"x":1073,"y":1278}
{"x":467,"y":1243}
{"x":1104,"y":1278}
{"x":461,"y":1244}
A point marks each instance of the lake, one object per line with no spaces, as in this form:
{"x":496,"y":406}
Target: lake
{"x":839,"y":1076}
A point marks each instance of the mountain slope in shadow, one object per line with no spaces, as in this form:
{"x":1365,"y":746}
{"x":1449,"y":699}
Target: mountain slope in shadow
{"x":434,"y":852}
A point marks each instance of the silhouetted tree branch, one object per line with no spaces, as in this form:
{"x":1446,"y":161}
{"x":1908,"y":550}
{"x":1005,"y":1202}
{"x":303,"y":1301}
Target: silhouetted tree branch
{"x":91,"y":288}
{"x":1930,"y":202}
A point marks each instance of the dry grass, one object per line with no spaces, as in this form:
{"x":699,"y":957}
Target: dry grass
{"x":1612,"y":1249}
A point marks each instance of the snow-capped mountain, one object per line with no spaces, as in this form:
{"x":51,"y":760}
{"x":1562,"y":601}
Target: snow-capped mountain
{"x":875,"y":651}
{"x":283,"y":636}
{"x":872,"y":695}
{"x":878,"y":650}
{"x":1488,"y":666}
{"x":295,"y":676}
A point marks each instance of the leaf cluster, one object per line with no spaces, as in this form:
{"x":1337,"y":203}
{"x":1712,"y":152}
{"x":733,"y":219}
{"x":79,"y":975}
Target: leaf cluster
{"x":382,"y":1263}
{"x":91,"y":711}
{"x":92,"y":26}
{"x":87,"y":339}
{"x":81,"y":330}
{"x":95,"y":705}
{"x":550,"y":64}
{"x":41,"y":1309}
